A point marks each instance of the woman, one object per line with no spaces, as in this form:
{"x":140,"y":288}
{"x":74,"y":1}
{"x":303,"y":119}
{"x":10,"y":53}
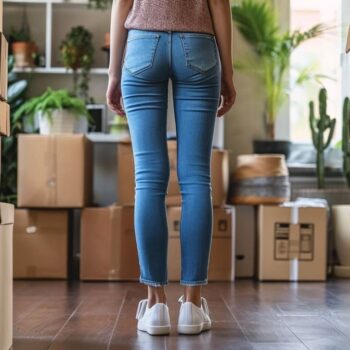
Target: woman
{"x":188,"y":42}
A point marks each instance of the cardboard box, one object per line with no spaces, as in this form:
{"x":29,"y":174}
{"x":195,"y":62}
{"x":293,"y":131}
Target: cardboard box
{"x":54,"y":171}
{"x":6,"y":273}
{"x":3,"y":66}
{"x":126,"y":177}
{"x":221,"y":263}
{"x":4,"y":118}
{"x":347,"y":49}
{"x":108,"y":246}
{"x":246,"y":223}
{"x":40,"y":243}
{"x":292,"y":243}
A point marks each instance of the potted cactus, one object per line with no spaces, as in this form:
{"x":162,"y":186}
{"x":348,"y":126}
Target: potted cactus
{"x":322,"y":131}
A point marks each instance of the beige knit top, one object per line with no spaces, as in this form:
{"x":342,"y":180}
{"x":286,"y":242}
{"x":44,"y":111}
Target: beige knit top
{"x":175,"y":15}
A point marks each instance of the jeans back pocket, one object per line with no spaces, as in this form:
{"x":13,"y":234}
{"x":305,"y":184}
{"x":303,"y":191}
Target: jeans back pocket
{"x":140,"y":51}
{"x":200,"y":51}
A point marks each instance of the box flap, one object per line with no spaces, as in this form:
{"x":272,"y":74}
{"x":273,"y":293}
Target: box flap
{"x":6,"y":213}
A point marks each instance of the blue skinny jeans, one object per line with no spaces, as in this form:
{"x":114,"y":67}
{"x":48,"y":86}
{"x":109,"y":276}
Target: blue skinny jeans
{"x":191,"y":60}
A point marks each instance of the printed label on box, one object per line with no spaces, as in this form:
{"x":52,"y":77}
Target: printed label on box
{"x":287,"y":245}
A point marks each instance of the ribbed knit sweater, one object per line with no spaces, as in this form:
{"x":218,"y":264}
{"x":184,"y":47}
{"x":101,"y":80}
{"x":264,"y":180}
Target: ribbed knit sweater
{"x":174,"y":15}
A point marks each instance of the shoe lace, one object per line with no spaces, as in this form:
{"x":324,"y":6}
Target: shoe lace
{"x":205,"y":306}
{"x":204,"y":303}
{"x":141,"y":308}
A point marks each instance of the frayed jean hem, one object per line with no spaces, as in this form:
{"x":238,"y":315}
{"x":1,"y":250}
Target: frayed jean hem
{"x":153,"y":283}
{"x":194,"y":283}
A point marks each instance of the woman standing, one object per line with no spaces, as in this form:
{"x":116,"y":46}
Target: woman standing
{"x":189,"y":42}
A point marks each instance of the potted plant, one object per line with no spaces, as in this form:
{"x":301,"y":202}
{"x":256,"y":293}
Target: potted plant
{"x":77,"y":53}
{"x":22,"y":47}
{"x":258,"y":24}
{"x":15,"y":97}
{"x":57,"y":112}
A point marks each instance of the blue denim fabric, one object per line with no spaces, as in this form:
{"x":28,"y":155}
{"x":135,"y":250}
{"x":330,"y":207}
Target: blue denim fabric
{"x":191,"y":60}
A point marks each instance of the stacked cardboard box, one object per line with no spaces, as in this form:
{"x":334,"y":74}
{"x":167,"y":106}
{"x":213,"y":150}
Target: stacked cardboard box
{"x":292,"y":242}
{"x":6,"y":271}
{"x":54,"y":176}
{"x":108,"y":245}
{"x":126,"y":176}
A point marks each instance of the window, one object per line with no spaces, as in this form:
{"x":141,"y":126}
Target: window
{"x":322,"y":55}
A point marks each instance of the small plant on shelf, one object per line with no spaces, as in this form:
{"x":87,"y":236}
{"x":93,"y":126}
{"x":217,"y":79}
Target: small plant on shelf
{"x":346,"y":140}
{"x":58,"y":105}
{"x":77,"y":53}
{"x":22,"y":47}
{"x":319,"y":126}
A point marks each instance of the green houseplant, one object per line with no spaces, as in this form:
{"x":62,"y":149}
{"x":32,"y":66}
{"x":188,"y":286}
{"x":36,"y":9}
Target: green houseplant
{"x":58,"y":111}
{"x":322,"y":131}
{"x":15,"y":97}
{"x":259,"y":26}
{"x":77,"y":53}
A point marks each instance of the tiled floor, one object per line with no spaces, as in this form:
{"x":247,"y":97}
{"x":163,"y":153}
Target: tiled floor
{"x":246,"y":315}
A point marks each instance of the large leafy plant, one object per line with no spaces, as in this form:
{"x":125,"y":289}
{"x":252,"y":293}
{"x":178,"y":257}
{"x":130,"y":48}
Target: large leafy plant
{"x":52,"y":100}
{"x":258,"y":24}
{"x":15,"y":97}
{"x":77,"y":53}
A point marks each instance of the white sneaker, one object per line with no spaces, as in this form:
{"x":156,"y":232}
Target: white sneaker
{"x":154,"y":320}
{"x":193,"y":319}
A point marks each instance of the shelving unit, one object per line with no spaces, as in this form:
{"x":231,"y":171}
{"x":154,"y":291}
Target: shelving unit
{"x":50,"y":44}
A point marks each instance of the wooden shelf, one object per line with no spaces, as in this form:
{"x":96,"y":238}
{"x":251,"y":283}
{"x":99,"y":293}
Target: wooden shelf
{"x":58,"y":70}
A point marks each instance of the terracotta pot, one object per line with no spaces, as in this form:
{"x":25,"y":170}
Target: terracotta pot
{"x":23,"y":52}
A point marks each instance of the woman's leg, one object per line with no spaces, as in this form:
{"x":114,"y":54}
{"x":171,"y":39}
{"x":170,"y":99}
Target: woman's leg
{"x":196,"y":91}
{"x":145,"y":104}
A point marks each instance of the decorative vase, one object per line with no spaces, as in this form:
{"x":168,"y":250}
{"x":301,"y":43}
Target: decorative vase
{"x":63,"y":122}
{"x":341,"y":224}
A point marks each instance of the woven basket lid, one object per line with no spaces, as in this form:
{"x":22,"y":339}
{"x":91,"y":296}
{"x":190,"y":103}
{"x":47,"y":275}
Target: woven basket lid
{"x":260,"y":165}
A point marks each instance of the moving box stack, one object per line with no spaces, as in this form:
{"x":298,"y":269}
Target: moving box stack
{"x":6,"y":213}
{"x":108,"y":245}
{"x":291,"y":236}
{"x":54,"y":176}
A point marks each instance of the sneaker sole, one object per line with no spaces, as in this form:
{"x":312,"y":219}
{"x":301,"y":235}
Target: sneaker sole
{"x":156,"y":330}
{"x":193,"y":329}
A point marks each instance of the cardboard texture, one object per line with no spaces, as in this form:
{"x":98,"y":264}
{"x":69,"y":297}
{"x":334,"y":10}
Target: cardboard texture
{"x":4,"y":118}
{"x":221,"y":264}
{"x":108,"y":245}
{"x":54,"y":171}
{"x":40,"y":243}
{"x":292,"y":243}
{"x":126,"y":177}
{"x":347,"y":50}
{"x":3,"y":66}
{"x":245,"y":240}
{"x":6,"y":273}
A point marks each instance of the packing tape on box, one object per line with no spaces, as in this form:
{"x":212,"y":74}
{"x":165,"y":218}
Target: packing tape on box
{"x":300,"y":202}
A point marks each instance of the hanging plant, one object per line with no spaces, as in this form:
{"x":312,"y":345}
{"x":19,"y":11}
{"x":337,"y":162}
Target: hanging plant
{"x":77,"y":53}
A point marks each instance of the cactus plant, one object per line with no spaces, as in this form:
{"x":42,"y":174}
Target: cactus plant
{"x":319,"y":126}
{"x":346,"y":140}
